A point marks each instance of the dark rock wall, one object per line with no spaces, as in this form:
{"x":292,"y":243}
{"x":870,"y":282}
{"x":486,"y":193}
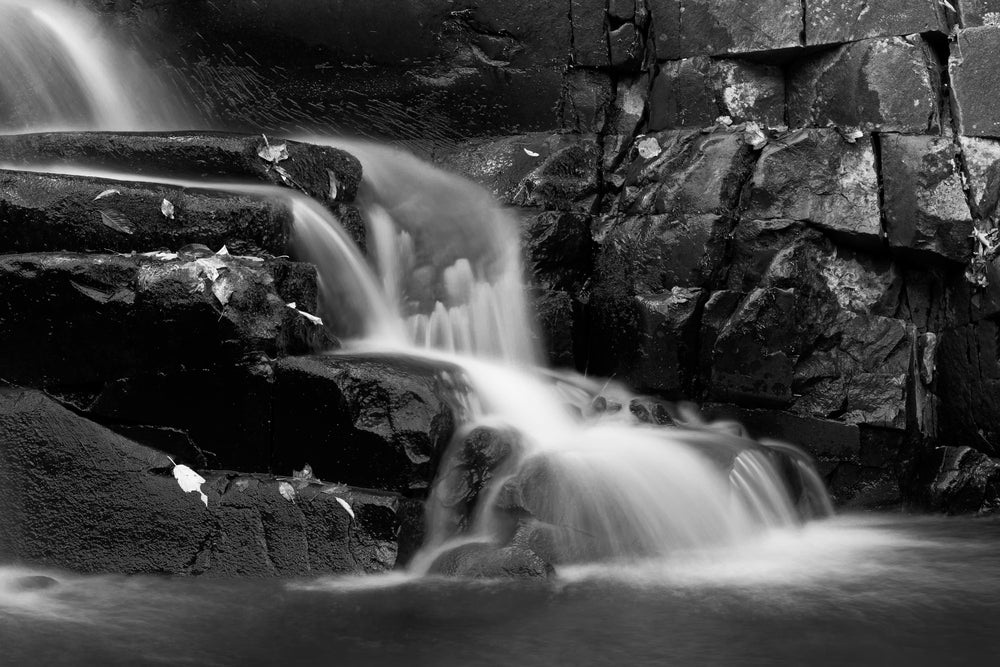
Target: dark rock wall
{"x":767,"y":207}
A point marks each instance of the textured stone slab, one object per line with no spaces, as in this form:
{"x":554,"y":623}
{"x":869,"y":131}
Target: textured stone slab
{"x":925,"y":206}
{"x":976,"y":13}
{"x":835,"y":21}
{"x":694,"y":92}
{"x":887,"y":85}
{"x":816,"y":176}
{"x":974,"y":63}
{"x":717,"y":27}
{"x":590,"y":40}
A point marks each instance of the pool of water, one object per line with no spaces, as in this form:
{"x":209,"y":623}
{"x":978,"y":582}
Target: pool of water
{"x":873,"y":590}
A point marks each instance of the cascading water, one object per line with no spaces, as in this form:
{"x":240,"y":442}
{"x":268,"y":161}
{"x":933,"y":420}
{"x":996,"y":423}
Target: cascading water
{"x":57,"y":72}
{"x":591,"y":485}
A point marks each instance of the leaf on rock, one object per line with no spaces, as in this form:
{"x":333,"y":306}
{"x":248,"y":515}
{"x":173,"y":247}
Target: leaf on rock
{"x":287,"y":491}
{"x":305,"y":473}
{"x":334,"y":488}
{"x":161,"y":254}
{"x":285,"y":176}
{"x":754,"y":135}
{"x":334,"y":184}
{"x":189,"y":480}
{"x":273,"y":154}
{"x":346,"y":505}
{"x":107,"y":193}
{"x":649,"y":148}
{"x":292,"y":305}
{"x":312,"y":318}
{"x":210,"y":266}
{"x":117,"y":221}
{"x":530,"y":153}
{"x":223,"y":287}
{"x":167,"y":209}
{"x":223,"y":252}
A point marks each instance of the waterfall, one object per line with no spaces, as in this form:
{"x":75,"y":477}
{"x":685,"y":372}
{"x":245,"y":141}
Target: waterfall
{"x":59,"y":72}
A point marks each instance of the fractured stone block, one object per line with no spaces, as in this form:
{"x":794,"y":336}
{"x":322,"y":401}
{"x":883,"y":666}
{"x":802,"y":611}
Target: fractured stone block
{"x":816,"y":176}
{"x":718,"y":27}
{"x":977,"y":13}
{"x":694,"y":92}
{"x":974,"y":63}
{"x":925,"y":206}
{"x":887,"y":85}
{"x":835,"y":21}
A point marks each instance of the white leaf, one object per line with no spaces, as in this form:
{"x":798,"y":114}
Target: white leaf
{"x":167,"y":209}
{"x":273,"y":154}
{"x":116,"y":221}
{"x":223,"y":251}
{"x":210,"y":266}
{"x":287,"y":491}
{"x":189,"y":481}
{"x":311,"y":318}
{"x":346,"y":505}
{"x":754,"y":136}
{"x":223,"y":288}
{"x":649,"y":148}
{"x":291,"y":305}
{"x":305,"y":473}
{"x":107,"y":193}
{"x":161,"y":254}
{"x":285,"y":176}
{"x":530,"y":153}
{"x":334,"y":185}
{"x":724,"y":120}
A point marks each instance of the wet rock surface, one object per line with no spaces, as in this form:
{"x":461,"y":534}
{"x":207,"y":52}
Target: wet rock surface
{"x":77,"y":495}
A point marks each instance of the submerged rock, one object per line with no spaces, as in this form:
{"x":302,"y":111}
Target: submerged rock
{"x":480,"y":560}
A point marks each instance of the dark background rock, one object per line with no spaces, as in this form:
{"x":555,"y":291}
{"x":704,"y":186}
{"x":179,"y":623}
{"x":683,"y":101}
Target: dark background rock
{"x":833,"y":21}
{"x":973,"y":62}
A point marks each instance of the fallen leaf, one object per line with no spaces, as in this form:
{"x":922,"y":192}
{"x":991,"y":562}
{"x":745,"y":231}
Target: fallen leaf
{"x":189,"y":480}
{"x":285,"y":176}
{"x":117,"y":221}
{"x":161,"y":254}
{"x":334,"y":185}
{"x":311,"y":318}
{"x":305,"y":473}
{"x":107,"y":193}
{"x":210,"y":266}
{"x":530,"y":153}
{"x":291,"y":305}
{"x":273,"y":154}
{"x":754,"y":135}
{"x":223,"y":252}
{"x":334,"y":488}
{"x":223,"y":287}
{"x":167,"y":209}
{"x":287,"y":491}
{"x":346,"y":505}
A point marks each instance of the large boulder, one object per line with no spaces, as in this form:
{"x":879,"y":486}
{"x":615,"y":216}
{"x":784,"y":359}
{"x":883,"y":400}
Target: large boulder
{"x":924,"y":200}
{"x":888,"y":85}
{"x":76,"y":495}
{"x":835,"y":21}
{"x":327,"y":174}
{"x":53,"y":212}
{"x":818,"y":177}
{"x":377,"y":421}
{"x":694,"y":92}
{"x":77,"y":320}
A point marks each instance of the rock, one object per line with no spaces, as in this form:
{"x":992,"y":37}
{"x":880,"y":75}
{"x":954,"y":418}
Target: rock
{"x":566,"y":180}
{"x":41,"y":213}
{"x":982,"y":162}
{"x":557,"y":314}
{"x":558,"y":249}
{"x":753,"y":357}
{"x":629,"y":107}
{"x":194,"y":155}
{"x":961,"y":480}
{"x":649,"y":410}
{"x":373,"y":421}
{"x":968,"y":367}
{"x":590,"y":41}
{"x":976,"y":13}
{"x":661,"y":251}
{"x":621,"y":10}
{"x":480,"y":560}
{"x":753,"y":246}
{"x":664,"y":362}
{"x":835,"y":21}
{"x":972,"y":66}
{"x":75,"y":495}
{"x":684,"y":173}
{"x":588,"y":100}
{"x":817,"y":177}
{"x":718,"y":27}
{"x":694,"y":92}
{"x":924,"y":201}
{"x":89,"y":319}
{"x":625,"y":46}
{"x":885,"y":85}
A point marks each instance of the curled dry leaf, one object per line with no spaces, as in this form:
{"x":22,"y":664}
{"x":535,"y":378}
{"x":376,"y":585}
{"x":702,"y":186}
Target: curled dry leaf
{"x":648,"y":148}
{"x":107,"y":193}
{"x":287,"y":491}
{"x":346,"y":505}
{"x":305,"y":473}
{"x":334,"y":184}
{"x":272,"y":153}
{"x":223,"y":287}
